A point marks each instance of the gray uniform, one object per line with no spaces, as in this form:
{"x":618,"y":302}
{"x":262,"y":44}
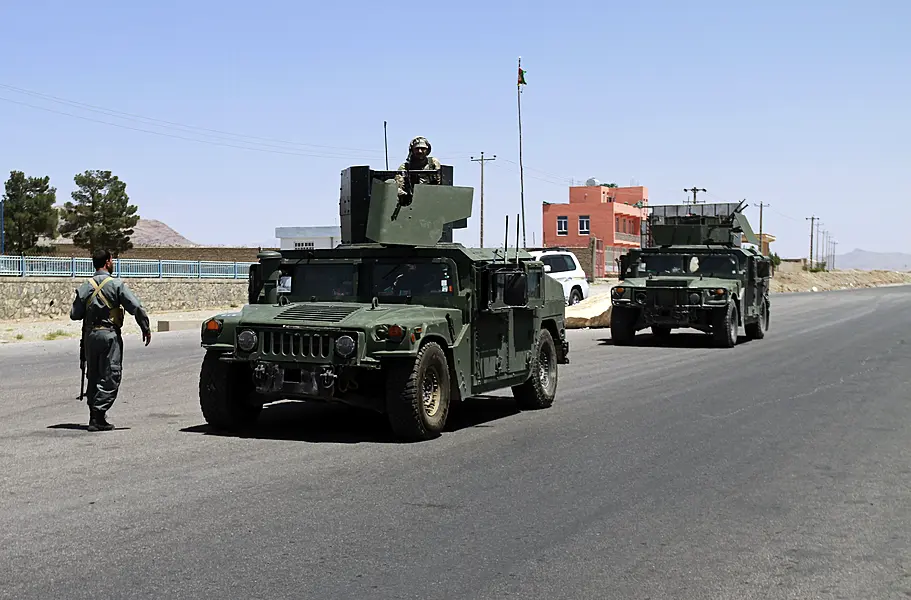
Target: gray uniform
{"x":100,"y":308}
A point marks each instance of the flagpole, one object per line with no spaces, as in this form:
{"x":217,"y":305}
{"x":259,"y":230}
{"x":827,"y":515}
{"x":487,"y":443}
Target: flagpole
{"x":521,"y":169}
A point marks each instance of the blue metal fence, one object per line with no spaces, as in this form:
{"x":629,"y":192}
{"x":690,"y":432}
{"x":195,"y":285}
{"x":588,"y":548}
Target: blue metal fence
{"x":52,"y":266}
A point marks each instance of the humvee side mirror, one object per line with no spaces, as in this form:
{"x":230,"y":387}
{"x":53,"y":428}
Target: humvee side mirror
{"x":254,"y":283}
{"x":624,"y":264}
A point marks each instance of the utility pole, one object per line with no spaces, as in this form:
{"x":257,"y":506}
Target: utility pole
{"x":818,"y":254}
{"x":760,"y":205}
{"x":482,"y":160}
{"x":827,"y":250}
{"x":834,"y":243}
{"x":812,"y":220}
{"x":694,"y":189}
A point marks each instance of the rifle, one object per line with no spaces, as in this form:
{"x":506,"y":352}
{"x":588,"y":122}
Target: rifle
{"x":82,"y":364}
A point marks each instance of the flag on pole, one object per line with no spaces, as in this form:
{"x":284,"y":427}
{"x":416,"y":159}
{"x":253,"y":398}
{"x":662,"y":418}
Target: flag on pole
{"x":521,"y":76}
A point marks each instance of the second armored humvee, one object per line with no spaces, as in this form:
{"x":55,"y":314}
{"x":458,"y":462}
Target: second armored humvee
{"x":693,"y":272}
{"x":397,"y":318}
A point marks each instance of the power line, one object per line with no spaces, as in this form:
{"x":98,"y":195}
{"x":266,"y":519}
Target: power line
{"x":482,"y":160}
{"x":171,"y":135}
{"x":133,"y":116}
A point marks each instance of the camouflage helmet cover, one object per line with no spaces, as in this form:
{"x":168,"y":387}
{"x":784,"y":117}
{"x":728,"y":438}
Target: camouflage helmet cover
{"x":419,"y":142}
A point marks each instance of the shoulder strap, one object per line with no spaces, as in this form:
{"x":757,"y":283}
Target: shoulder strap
{"x":97,"y":291}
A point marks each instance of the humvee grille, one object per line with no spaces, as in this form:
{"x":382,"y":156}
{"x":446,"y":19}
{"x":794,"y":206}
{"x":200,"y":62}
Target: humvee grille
{"x":310,"y":312}
{"x":297,"y":344}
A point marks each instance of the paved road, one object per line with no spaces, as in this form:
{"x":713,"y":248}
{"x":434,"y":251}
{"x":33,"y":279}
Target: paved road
{"x":778,"y":469}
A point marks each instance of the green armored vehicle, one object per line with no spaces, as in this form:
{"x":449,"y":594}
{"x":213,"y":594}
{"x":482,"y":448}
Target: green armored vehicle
{"x":693,"y":271}
{"x":396,"y":319}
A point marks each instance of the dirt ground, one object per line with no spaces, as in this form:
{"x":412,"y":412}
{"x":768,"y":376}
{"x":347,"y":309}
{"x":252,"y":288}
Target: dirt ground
{"x":789,"y":277}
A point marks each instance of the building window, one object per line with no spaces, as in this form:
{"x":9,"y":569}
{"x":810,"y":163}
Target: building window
{"x":584,"y":225}
{"x":617,"y":224}
{"x":303,"y":245}
{"x":562,"y":225}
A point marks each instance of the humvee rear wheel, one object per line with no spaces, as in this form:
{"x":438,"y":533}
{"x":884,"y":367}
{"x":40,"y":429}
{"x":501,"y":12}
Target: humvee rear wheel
{"x":623,"y":325}
{"x":756,"y":331}
{"x":539,"y":390}
{"x":724,"y":326}
{"x":226,"y":394}
{"x":417,"y":396}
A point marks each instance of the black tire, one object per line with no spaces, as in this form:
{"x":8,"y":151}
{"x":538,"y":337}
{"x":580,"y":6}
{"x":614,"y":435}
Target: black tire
{"x":226,"y":394}
{"x":575,"y":296}
{"x":661,"y":332}
{"x":756,"y":331}
{"x":724,"y":328}
{"x":540,"y":389}
{"x":623,"y":325}
{"x":410,"y":417}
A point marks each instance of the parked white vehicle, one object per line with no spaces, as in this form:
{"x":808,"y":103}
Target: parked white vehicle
{"x":563,"y":266}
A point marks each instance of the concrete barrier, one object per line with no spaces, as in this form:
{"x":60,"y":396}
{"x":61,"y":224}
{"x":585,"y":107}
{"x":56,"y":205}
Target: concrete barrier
{"x":178,"y":325}
{"x":594,"y":311}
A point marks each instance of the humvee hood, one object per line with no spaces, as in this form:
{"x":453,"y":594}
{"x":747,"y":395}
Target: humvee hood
{"x":345,"y":314}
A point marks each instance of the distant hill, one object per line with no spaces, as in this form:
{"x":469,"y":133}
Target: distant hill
{"x":148,"y":233}
{"x":873,"y":261}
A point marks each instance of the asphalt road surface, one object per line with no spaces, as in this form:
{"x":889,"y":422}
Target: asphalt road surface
{"x":777,"y":469}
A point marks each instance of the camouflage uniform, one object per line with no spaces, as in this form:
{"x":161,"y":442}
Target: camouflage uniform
{"x":415,"y":164}
{"x":100,"y":304}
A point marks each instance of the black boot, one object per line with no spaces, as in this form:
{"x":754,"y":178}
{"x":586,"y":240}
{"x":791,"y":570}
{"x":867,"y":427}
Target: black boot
{"x":97,"y":422}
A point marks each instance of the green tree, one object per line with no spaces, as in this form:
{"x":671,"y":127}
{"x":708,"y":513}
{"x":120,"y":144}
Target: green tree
{"x":28,"y":212}
{"x":102,"y":216}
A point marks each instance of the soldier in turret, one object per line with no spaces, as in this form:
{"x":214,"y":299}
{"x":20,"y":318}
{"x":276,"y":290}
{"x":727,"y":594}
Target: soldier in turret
{"x":419,"y":159}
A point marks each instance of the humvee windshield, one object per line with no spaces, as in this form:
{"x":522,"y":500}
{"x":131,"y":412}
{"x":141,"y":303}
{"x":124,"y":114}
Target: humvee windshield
{"x":320,"y":280}
{"x":388,"y":279}
{"x":415,"y":278}
{"x":715,"y":265}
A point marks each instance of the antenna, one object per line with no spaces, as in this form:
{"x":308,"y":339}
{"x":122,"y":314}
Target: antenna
{"x":517,"y":239}
{"x":506,"y":242}
{"x":386,"y":144}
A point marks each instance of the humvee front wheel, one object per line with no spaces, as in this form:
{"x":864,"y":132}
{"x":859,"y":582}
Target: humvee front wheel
{"x":623,"y":325}
{"x":539,"y":390}
{"x":225,"y":393}
{"x":724,"y":326}
{"x":417,"y":396}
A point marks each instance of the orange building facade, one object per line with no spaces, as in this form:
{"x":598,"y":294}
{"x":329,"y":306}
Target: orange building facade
{"x":597,"y":212}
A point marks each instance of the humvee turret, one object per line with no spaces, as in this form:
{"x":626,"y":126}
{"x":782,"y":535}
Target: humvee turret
{"x":693,"y":271}
{"x":397,"y":318}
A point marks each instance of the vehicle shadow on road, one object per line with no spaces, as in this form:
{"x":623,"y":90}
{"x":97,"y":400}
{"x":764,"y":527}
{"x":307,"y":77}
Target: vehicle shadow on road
{"x":674,"y":340}
{"x":316,"y":423}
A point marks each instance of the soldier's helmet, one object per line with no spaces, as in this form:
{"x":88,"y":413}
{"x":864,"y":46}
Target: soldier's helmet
{"x":419,"y":142}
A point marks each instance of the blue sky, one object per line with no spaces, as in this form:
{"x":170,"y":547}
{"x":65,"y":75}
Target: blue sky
{"x":802,"y":105}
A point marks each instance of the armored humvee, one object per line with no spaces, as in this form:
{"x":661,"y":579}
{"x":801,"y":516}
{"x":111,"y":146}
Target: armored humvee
{"x":396,"y":318}
{"x":693,"y":271}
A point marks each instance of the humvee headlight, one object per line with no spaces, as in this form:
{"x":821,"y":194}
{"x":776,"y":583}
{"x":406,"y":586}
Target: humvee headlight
{"x":640,"y":297}
{"x":695,"y":297}
{"x":345,"y":346}
{"x":395,"y":333}
{"x":246,"y":340}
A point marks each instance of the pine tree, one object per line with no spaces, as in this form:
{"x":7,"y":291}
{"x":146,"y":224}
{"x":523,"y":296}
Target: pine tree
{"x":102,"y":217}
{"x":28,"y":212}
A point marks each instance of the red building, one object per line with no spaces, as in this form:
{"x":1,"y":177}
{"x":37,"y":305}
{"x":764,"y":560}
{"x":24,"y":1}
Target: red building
{"x":597,"y":219}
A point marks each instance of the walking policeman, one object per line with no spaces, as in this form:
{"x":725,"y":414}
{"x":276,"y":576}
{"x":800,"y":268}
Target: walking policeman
{"x":100,"y":303}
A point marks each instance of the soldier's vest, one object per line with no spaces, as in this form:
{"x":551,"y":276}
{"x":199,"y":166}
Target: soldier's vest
{"x":116,"y":312}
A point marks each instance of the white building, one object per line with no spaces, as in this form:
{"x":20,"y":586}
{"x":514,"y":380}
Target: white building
{"x":303,"y":238}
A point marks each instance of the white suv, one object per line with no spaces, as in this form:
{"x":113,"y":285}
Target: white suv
{"x":563,"y":266}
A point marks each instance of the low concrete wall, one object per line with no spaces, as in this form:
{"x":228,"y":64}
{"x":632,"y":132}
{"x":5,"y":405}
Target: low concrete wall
{"x":49,"y":297}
